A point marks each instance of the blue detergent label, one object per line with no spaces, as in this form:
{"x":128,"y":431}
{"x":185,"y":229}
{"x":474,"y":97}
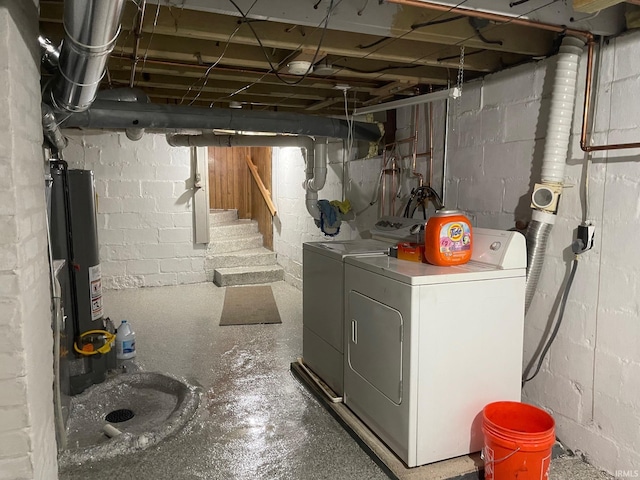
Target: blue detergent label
{"x":128,"y":346}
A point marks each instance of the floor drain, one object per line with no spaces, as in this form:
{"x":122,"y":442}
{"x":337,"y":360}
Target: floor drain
{"x":119,"y":416}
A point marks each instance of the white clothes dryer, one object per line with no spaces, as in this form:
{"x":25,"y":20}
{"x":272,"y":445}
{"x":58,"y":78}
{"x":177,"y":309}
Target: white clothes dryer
{"x":323,"y":304}
{"x":427,"y":347}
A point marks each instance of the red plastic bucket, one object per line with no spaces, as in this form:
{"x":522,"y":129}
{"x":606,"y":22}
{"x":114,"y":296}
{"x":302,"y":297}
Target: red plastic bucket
{"x":518,"y":439}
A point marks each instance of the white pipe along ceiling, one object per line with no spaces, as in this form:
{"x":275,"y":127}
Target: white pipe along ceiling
{"x":315,"y":151}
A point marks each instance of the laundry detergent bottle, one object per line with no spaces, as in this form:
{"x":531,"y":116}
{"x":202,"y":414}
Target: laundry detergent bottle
{"x":448,"y":238}
{"x":125,"y":341}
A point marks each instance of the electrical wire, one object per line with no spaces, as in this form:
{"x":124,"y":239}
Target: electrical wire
{"x":266,"y":54}
{"x":378,"y":70}
{"x":563,"y":305}
{"x":153,"y":30}
{"x":589,"y":155}
{"x":293,"y":53}
{"x":436,"y":22}
{"x":205,"y":75}
{"x":460,"y":42}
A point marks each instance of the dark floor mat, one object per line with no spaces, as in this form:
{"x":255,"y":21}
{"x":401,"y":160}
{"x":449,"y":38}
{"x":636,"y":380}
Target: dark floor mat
{"x":249,"y":306}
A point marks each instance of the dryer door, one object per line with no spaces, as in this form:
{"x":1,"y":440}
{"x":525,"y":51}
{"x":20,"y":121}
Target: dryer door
{"x":375,"y":346}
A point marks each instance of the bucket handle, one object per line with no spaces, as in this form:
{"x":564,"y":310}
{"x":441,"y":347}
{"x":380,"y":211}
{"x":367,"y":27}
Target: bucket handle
{"x":501,"y":459}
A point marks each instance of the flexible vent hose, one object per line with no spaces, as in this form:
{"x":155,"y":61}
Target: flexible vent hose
{"x":537,"y":238}
{"x":555,"y":154}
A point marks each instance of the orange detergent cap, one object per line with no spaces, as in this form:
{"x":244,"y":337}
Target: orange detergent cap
{"x":87,"y":347}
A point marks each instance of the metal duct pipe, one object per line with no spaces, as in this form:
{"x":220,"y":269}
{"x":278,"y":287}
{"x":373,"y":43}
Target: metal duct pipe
{"x":49,"y":54}
{"x":315,"y":156}
{"x":51,"y":129}
{"x":121,"y":115}
{"x":555,"y":155}
{"x":91,"y":28}
{"x":537,"y":239}
{"x":126,"y":95}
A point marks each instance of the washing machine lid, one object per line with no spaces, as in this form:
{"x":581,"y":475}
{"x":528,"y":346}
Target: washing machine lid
{"x":496,"y":254}
{"x":345,"y":248}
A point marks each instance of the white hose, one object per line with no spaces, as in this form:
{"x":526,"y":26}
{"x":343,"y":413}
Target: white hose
{"x":563,"y":101}
{"x":555,"y":154}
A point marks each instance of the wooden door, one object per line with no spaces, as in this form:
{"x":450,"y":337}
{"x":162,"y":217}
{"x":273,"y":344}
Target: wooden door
{"x":232,"y":186}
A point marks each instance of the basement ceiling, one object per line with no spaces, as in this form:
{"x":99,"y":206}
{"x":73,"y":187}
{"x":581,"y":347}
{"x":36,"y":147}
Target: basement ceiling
{"x":205,"y":52}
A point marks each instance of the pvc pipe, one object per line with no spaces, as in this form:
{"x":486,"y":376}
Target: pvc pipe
{"x":319,"y":167}
{"x":111,"y":431}
{"x":311,"y":201}
{"x":315,"y":156}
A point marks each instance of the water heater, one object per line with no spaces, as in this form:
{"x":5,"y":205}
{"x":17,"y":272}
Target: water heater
{"x":74,"y":238}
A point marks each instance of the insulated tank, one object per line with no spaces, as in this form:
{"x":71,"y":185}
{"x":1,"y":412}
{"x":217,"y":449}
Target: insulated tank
{"x":74,"y":237}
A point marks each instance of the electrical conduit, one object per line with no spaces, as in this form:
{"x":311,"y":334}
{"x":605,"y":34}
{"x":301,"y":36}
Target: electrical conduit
{"x":555,"y":155}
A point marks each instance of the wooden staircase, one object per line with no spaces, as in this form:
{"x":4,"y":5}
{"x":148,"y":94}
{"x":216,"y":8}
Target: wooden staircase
{"x":235,"y":255}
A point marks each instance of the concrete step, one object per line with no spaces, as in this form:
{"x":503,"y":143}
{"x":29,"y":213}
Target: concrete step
{"x":233,"y":229}
{"x":243,"y":258}
{"x":217,"y":216}
{"x":225,"y":277}
{"x":234,"y":244}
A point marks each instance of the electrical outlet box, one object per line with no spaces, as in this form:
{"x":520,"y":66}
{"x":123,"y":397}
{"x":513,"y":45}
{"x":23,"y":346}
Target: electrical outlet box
{"x":586,"y":233}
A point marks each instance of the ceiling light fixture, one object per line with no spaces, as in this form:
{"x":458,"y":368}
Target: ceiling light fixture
{"x":324,"y":68}
{"x":300,"y":67}
{"x":418,"y":100}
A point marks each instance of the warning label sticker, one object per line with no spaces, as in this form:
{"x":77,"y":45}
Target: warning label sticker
{"x":95,"y":287}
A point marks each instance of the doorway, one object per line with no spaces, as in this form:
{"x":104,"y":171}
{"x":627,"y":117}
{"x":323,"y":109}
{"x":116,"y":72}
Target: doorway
{"x":232,"y":186}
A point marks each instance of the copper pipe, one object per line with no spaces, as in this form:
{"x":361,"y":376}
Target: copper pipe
{"x":495,"y":17}
{"x":423,"y":154}
{"x":136,"y":48}
{"x":394,"y":188}
{"x":414,"y":172}
{"x":586,"y":110}
{"x":542,"y":26}
{"x":383,"y":179}
{"x":431,"y":144}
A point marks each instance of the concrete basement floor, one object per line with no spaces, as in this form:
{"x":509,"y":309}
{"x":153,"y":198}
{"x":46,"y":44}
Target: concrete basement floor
{"x":255,"y":421}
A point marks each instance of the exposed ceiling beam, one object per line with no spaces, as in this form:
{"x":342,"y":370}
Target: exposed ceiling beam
{"x":593,"y":6}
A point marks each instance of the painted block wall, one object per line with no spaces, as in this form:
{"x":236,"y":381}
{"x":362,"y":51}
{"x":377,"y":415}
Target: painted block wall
{"x":27,"y":439}
{"x":145,"y":209}
{"x":294,"y":225}
{"x":591,"y":378}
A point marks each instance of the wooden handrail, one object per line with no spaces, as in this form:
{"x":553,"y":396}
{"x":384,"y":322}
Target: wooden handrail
{"x":266,"y":194}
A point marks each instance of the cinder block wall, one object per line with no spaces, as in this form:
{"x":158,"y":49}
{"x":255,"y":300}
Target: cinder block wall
{"x":145,"y":209}
{"x":591,"y":379}
{"x":294,"y":225}
{"x":27,"y":439}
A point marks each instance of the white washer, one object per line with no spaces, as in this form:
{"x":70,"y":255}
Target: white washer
{"x":323,"y":304}
{"x":426,"y":347}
